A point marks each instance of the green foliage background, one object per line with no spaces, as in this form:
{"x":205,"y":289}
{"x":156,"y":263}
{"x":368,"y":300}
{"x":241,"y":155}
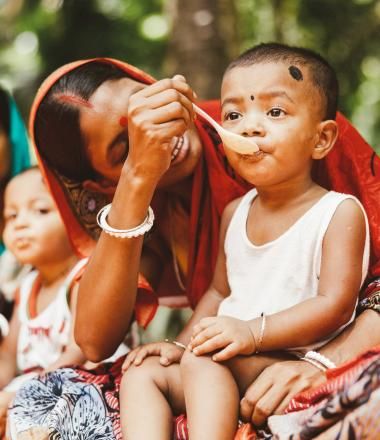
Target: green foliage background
{"x":40,"y":35}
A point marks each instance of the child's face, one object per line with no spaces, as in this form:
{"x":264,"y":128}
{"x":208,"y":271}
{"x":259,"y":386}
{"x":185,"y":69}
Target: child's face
{"x":34,"y":231}
{"x":281,"y":114}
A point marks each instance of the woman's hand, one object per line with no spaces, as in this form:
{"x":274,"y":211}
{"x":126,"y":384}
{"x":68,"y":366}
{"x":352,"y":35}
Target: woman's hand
{"x":233,"y":336}
{"x":168,"y":353}
{"x":157,"y":116}
{"x":272,"y":391}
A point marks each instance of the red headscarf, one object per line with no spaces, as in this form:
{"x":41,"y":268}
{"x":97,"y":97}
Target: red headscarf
{"x":352,"y":167}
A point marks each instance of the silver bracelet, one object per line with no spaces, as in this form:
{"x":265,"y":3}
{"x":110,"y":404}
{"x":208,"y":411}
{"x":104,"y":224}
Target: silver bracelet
{"x":178,"y":344}
{"x":141,"y":229}
{"x":315,"y":363}
{"x":262,"y":330}
{"x":323,"y":360}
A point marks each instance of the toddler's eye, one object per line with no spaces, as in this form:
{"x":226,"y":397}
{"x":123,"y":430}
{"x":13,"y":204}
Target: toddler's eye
{"x":232,"y":116}
{"x":9,"y":216}
{"x":276,"y":112}
{"x":43,"y":211}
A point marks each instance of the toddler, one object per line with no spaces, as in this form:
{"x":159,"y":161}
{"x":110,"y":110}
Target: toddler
{"x":291,"y":261}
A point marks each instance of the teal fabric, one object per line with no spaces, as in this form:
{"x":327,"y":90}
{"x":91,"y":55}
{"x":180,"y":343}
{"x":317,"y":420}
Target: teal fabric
{"x":20,"y":157}
{"x":20,"y":152}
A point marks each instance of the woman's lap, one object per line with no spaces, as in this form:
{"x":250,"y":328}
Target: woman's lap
{"x":79,"y":404}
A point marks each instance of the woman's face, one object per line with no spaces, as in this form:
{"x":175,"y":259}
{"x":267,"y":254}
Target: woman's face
{"x":106,"y":139}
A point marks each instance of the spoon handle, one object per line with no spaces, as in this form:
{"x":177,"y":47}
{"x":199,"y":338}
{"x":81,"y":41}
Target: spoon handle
{"x":208,"y":118}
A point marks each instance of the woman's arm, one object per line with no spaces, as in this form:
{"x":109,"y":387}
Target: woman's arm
{"x":272,"y":391}
{"x":107,"y":292}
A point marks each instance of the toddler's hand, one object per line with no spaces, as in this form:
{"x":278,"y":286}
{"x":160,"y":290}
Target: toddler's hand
{"x":168,"y":353}
{"x":231,"y":335}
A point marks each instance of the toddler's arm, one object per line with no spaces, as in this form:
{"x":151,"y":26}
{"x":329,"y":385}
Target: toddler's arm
{"x":207,"y":306}
{"x":72,"y":355}
{"x":318,"y":317}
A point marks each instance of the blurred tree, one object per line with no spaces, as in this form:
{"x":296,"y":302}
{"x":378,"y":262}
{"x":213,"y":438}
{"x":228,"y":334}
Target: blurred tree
{"x":202,"y":41}
{"x":196,"y":38}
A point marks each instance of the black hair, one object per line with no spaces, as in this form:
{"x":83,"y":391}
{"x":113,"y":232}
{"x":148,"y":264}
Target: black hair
{"x":4,"y":112}
{"x":56,"y":128}
{"x":323,"y":75}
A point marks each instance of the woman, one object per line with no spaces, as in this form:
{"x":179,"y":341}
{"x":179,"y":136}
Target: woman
{"x":102,"y":129}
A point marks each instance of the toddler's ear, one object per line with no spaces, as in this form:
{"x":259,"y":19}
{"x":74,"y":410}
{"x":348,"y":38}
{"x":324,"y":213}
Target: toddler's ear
{"x":328,"y":134}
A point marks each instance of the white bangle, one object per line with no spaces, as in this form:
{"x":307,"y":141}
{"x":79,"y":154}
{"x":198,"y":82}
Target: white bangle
{"x":141,"y":229}
{"x":323,"y":360}
{"x":316,"y":364}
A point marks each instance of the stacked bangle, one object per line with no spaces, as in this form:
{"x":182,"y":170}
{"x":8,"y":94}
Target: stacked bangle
{"x":141,"y":229}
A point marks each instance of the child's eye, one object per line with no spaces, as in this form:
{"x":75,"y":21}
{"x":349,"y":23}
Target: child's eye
{"x":9,"y":216}
{"x":43,"y":211}
{"x":232,"y":116}
{"x":276,"y":112}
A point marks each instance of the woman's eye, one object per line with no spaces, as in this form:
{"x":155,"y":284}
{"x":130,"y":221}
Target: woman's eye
{"x":119,"y":152}
{"x":276,"y":112}
{"x":232,"y":116}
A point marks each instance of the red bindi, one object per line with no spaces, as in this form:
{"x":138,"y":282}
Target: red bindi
{"x":123,"y":121}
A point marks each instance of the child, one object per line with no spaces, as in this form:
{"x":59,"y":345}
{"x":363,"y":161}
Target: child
{"x":291,"y":261}
{"x":40,"y":336}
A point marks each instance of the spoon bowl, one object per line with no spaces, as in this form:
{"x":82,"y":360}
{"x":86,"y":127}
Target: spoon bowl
{"x":233,"y":141}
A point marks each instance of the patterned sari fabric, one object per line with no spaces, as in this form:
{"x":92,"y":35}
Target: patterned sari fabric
{"x":73,"y":403}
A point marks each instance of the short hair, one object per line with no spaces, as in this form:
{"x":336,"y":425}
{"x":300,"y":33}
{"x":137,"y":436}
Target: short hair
{"x":323,"y":75}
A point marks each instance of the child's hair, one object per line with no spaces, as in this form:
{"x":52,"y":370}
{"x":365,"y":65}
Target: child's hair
{"x":322,"y":74}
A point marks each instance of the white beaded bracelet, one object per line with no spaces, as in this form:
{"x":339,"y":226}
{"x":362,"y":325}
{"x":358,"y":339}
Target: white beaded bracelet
{"x":141,"y":229}
{"x":323,"y":360}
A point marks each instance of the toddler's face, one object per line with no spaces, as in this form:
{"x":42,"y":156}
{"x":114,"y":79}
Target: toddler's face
{"x":34,"y":231}
{"x":280,"y":112}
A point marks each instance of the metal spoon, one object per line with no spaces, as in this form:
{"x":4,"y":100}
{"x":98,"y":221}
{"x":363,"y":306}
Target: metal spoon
{"x":233,"y":141}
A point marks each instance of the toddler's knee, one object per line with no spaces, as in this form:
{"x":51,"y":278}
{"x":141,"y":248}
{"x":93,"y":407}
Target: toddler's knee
{"x":190,"y":363}
{"x":150,"y":371}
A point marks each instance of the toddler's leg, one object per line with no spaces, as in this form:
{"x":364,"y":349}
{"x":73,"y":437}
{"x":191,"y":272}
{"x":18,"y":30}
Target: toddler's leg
{"x":212,"y":398}
{"x":149,"y":396}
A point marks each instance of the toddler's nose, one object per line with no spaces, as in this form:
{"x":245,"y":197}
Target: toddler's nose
{"x":252,"y":126}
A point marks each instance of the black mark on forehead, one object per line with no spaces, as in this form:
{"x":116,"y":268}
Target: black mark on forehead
{"x":295,"y":73}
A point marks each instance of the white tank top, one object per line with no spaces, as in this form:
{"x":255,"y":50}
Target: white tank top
{"x":277,"y":275}
{"x":42,"y":338}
